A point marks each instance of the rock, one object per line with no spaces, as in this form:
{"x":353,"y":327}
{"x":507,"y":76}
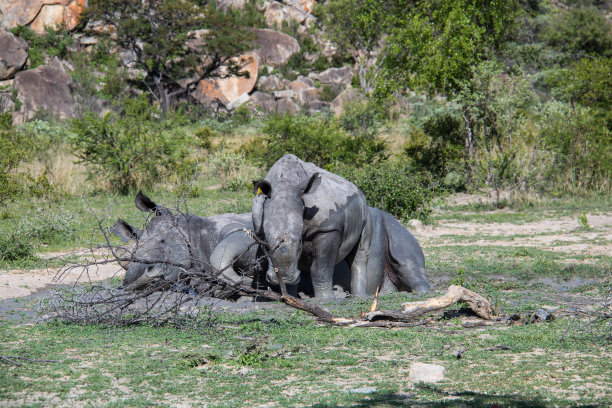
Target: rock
{"x":341,"y":101}
{"x":229,"y":90}
{"x":19,"y":12}
{"x":37,"y":14}
{"x":286,"y":93}
{"x":230,"y":4}
{"x":275,"y":15}
{"x":72,"y":14}
{"x":44,"y":88}
{"x":275,"y":48}
{"x":301,"y":83}
{"x":270,"y":83}
{"x":286,"y":106}
{"x":13,"y":54}
{"x":342,"y":75}
{"x":427,"y":373}
{"x":264,"y":101}
{"x":244,"y":98}
{"x":363,"y":390}
{"x":51,"y":15}
{"x":308,"y":96}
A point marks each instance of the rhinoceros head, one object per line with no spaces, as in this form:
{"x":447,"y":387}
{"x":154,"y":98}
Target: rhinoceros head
{"x":162,"y":249}
{"x":278,"y":217}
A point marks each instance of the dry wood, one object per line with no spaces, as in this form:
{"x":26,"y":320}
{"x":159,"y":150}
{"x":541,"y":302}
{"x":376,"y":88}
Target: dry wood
{"x":455,"y":294}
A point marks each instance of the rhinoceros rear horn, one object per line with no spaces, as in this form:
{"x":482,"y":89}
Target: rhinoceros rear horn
{"x":261,"y":187}
{"x":144,"y":203}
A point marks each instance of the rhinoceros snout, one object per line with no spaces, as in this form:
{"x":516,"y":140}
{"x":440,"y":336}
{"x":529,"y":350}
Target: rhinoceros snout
{"x":292,"y":278}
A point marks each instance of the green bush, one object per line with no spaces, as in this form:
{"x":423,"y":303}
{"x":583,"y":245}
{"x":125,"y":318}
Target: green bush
{"x":14,"y":247}
{"x":320,"y":140}
{"x":362,"y":118}
{"x":49,"y":226}
{"x":14,"y":148}
{"x":393,"y":187}
{"x":438,"y":148}
{"x":581,"y":31}
{"x":54,"y":43}
{"x":131,"y":150}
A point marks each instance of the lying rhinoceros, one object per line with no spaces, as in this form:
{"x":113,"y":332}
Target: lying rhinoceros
{"x":172,"y":246}
{"x":314,"y":219}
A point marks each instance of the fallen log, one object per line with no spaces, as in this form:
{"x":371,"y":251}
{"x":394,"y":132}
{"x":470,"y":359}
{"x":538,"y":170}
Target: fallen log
{"x":455,"y":294}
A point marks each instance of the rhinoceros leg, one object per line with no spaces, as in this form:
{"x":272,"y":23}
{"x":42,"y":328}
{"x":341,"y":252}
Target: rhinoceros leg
{"x":405,"y":255}
{"x":326,"y":246}
{"x":226,"y":252}
{"x":359,"y":261}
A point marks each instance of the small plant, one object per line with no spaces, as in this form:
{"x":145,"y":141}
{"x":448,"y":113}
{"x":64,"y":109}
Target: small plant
{"x":49,"y":226}
{"x":459,"y":278}
{"x":583,"y":221}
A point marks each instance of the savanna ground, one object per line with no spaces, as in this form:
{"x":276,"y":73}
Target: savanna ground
{"x":533,"y":254}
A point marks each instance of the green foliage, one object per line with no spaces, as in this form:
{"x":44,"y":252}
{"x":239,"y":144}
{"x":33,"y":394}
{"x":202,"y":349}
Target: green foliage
{"x":54,"y":43}
{"x":246,"y":16}
{"x":580,"y":31}
{"x":15,"y":150}
{"x":587,"y":82}
{"x":320,"y":140}
{"x":582,"y":146}
{"x":49,"y":226}
{"x":362,"y":118}
{"x":437,"y":147}
{"x":391,"y":186}
{"x":162,"y":38}
{"x":432,"y":45}
{"x":329,"y":92}
{"x":584,"y":221}
{"x":131,"y":150}
{"x":14,"y":247}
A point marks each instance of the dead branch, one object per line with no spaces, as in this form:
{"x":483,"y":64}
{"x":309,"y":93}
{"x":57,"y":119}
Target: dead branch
{"x":454,"y":294}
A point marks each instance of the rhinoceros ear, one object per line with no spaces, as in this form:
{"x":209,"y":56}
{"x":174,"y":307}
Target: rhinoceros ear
{"x":125,"y":231}
{"x":144,"y":203}
{"x":262,"y":187}
{"x":312,"y":184}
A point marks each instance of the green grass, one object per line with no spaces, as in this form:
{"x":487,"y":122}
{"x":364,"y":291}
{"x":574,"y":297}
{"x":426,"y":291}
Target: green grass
{"x":252,"y":359}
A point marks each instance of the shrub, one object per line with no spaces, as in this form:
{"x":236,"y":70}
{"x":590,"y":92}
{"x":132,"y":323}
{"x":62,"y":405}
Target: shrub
{"x":14,"y":247}
{"x":49,"y":226}
{"x":320,"y":140}
{"x":362,"y":118}
{"x":130,"y":150}
{"x":393,"y":187}
{"x":15,"y":149}
{"x":52,"y":44}
{"x":438,"y":148}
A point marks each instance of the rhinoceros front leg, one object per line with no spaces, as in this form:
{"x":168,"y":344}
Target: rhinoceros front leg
{"x":326,"y":247}
{"x":226,"y":252}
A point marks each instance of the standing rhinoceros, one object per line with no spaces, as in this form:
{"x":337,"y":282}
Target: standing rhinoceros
{"x":314,"y":219}
{"x":171,"y":246}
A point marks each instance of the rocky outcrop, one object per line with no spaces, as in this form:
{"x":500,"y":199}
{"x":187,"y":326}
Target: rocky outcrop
{"x":274,"y":48}
{"x":342,"y":75}
{"x":13,"y":54}
{"x":44,"y":88}
{"x":38,"y":14}
{"x":228,"y":90}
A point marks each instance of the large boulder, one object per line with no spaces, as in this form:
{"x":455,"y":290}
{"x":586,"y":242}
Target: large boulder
{"x":264,"y":101}
{"x":342,"y":75}
{"x":286,"y":105}
{"x":229,"y":90}
{"x":38,"y":14}
{"x":274,"y":48}
{"x":13,"y":54}
{"x":341,"y":101}
{"x":44,"y":88}
{"x":270,"y":83}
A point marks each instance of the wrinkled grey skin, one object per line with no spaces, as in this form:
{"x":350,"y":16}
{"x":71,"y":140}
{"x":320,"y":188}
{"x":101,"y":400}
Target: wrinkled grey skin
{"x":170,"y":245}
{"x":396,"y":260}
{"x":314,"y":219}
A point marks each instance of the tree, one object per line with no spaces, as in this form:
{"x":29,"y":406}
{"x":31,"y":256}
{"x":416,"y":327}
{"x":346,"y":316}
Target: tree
{"x":355,"y":26}
{"x":176,"y":43}
{"x":433,"y":44}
